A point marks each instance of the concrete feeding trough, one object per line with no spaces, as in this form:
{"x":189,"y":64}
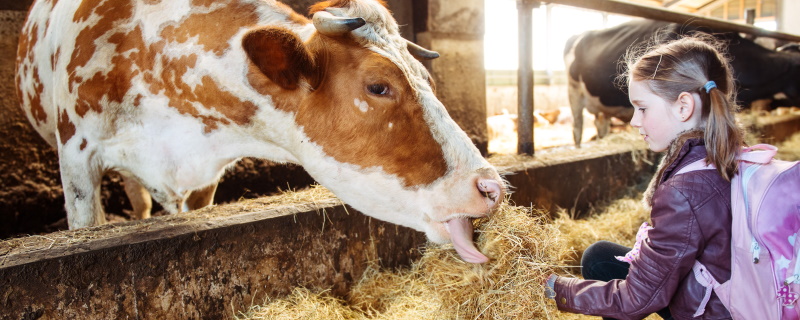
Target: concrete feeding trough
{"x":214,"y":262}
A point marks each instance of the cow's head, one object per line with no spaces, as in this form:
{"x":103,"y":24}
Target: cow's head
{"x":369,"y":126}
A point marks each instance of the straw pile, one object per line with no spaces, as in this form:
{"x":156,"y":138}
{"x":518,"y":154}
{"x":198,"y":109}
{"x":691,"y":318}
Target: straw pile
{"x":524,"y":246}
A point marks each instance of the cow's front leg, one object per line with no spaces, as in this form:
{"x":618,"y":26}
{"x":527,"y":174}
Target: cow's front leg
{"x":603,"y":124}
{"x":577,"y":103}
{"x":81,"y":176}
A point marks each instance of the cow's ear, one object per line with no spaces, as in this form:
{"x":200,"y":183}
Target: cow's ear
{"x":280,"y":55}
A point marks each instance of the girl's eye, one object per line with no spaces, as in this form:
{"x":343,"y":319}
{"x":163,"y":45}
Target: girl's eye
{"x":640,"y":109}
{"x":378,"y":89}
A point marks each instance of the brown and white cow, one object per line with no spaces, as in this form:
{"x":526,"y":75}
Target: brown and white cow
{"x":171,"y":92}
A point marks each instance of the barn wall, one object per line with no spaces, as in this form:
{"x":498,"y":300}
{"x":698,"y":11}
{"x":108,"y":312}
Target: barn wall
{"x":455,"y":29}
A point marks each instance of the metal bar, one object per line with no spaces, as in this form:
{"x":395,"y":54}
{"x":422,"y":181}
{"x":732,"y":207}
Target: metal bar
{"x":654,"y":13}
{"x":525,"y":77}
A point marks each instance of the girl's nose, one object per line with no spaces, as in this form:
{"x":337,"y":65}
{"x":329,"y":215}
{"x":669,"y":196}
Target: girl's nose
{"x":636,"y":120}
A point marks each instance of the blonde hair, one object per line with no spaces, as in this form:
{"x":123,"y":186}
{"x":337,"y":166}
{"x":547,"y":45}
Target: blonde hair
{"x":686,"y":65}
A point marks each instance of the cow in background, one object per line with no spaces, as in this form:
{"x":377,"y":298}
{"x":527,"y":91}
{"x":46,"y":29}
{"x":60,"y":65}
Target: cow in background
{"x":169,"y":93}
{"x":594,"y":59}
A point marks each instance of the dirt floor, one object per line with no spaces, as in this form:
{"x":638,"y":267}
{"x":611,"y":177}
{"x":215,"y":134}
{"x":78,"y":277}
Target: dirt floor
{"x":28,"y":166}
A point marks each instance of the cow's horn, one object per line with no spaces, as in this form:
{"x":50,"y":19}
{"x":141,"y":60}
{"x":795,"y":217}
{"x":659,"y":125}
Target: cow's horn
{"x":420,"y":52}
{"x":331,"y":25}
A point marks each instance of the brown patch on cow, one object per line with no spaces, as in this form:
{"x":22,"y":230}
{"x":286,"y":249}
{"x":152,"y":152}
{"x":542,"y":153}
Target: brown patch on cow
{"x":54,"y":57}
{"x":331,"y":119}
{"x":203,"y":3}
{"x":293,"y":16}
{"x":151,"y":2}
{"x":213,"y":29}
{"x":212,"y":96}
{"x":336,"y":4}
{"x":25,"y":56}
{"x":286,"y":100}
{"x":138,"y":100}
{"x":37,"y":109}
{"x":66,"y":129}
{"x":111,"y":12}
{"x":84,"y":11}
{"x":83,"y":144}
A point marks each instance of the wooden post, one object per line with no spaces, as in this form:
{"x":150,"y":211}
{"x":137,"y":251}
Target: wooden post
{"x":525,"y":77}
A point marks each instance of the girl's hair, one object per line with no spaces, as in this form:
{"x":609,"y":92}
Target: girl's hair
{"x":686,"y":65}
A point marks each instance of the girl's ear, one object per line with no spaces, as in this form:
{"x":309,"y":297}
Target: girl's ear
{"x":686,"y":106}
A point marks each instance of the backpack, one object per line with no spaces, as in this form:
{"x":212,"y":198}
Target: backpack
{"x":765,"y":257}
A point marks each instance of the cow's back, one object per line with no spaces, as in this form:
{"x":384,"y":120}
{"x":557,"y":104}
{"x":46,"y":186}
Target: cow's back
{"x":599,"y":55}
{"x":125,"y":61}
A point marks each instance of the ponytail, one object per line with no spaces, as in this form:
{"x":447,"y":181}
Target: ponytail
{"x":723,"y":137}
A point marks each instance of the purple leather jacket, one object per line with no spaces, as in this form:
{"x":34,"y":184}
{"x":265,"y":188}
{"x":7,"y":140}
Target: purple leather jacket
{"x":691,"y":216}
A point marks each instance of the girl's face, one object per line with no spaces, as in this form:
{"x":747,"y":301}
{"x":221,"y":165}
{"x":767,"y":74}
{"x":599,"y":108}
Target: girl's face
{"x":658,"y":120}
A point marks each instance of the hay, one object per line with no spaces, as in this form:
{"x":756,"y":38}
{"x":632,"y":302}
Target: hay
{"x":524,"y":246}
{"x":789,"y":149}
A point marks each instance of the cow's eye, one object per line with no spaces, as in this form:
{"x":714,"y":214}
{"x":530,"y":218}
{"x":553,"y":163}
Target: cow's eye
{"x":378,"y":89}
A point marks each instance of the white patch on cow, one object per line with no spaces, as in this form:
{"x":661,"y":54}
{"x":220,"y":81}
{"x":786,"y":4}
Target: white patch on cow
{"x":391,"y":125}
{"x":361,"y":105}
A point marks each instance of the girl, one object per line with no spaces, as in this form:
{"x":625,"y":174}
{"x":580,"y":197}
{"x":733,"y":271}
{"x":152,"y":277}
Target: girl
{"x":683,"y":94}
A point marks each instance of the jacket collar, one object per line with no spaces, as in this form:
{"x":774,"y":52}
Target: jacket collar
{"x":677,"y":156}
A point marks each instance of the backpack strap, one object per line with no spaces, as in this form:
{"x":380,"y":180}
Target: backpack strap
{"x":705,"y":279}
{"x":760,"y":153}
{"x":694,"y":166}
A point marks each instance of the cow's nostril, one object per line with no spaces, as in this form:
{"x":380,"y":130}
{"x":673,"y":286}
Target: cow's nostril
{"x":491,"y":190}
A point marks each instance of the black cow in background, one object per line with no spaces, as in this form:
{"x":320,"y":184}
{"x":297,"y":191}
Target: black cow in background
{"x":593,"y":61}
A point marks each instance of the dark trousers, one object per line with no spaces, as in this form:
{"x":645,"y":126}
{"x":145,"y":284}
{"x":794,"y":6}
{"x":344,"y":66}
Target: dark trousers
{"x":598,"y":263}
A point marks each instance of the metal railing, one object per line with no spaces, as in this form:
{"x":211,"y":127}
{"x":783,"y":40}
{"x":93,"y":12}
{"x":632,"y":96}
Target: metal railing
{"x":525,"y":73}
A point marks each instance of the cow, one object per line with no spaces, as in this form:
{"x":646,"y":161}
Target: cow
{"x":169,"y":93}
{"x":593,"y":61}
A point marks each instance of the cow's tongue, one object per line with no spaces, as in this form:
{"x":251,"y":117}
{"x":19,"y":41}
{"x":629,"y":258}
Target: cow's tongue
{"x":461,"y":234}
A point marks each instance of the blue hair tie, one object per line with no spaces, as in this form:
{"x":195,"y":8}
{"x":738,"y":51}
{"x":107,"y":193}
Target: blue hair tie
{"x":709,"y":85}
